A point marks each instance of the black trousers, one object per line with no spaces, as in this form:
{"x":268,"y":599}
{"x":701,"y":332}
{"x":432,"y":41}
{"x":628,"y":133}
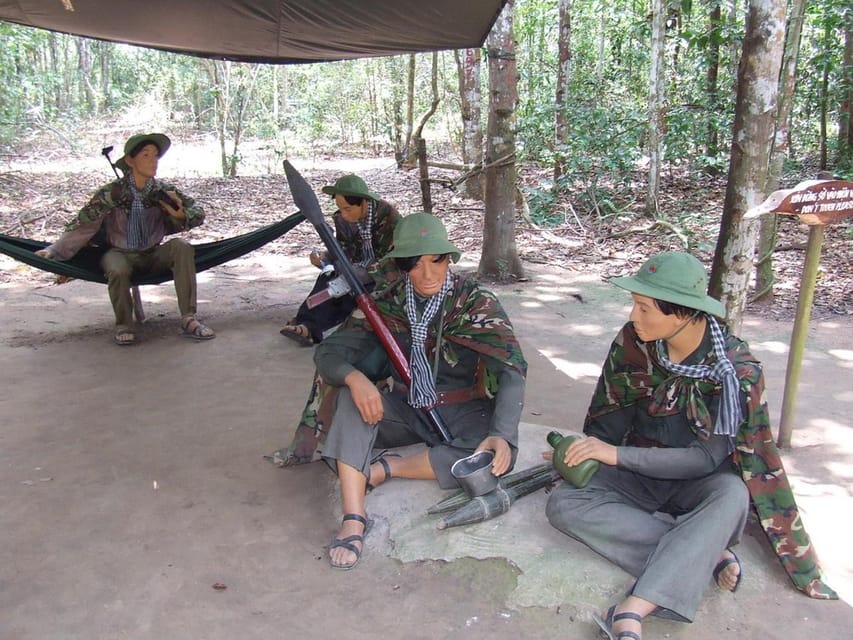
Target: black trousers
{"x":326,"y":315}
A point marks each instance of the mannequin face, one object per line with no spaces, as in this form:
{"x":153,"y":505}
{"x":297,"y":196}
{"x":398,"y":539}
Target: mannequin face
{"x":351,"y":212}
{"x":650,"y":322}
{"x":427,"y":276}
{"x":144,"y":164}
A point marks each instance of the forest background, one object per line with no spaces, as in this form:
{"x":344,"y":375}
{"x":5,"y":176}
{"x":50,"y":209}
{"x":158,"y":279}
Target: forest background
{"x":585,"y":122}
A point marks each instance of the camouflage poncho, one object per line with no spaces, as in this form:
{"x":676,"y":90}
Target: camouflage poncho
{"x":632,"y":372}
{"x":472,"y":318}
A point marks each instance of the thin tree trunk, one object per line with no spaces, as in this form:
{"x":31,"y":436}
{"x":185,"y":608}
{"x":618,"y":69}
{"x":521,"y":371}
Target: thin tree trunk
{"x":410,"y":104}
{"x":472,"y":129}
{"x":84,"y":68}
{"x":845,"y":111}
{"x":711,"y":80}
{"x":787,"y":82}
{"x":420,"y":143}
{"x":755,"y":114}
{"x":564,"y":61}
{"x":824,"y":94}
{"x":657,"y":101}
{"x":104,"y":51}
{"x":500,"y":258}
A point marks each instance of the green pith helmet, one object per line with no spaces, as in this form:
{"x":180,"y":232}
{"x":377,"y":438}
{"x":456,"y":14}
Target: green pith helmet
{"x":159,"y":140}
{"x":675,"y":277}
{"x":350,"y":185}
{"x":422,"y":234}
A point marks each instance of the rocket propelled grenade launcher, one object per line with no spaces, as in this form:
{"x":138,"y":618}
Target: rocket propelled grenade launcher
{"x":306,"y":200}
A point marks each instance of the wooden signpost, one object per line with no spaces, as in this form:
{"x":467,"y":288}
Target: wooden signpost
{"x":816,"y":203}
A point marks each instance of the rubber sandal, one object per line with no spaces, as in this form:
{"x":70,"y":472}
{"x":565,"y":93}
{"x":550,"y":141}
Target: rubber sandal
{"x":385,"y":467}
{"x":725,"y":562}
{"x":606,"y":625}
{"x":124,"y":337}
{"x":298,"y":333}
{"x":348,"y":542}
{"x":196,"y":330}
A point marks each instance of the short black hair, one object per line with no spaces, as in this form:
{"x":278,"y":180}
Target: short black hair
{"x":672,"y":309}
{"x":141,"y":146}
{"x":350,"y":199}
{"x":408,"y":263}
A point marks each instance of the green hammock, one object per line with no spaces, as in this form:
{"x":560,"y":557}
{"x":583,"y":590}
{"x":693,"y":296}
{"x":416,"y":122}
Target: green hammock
{"x":85,"y":264}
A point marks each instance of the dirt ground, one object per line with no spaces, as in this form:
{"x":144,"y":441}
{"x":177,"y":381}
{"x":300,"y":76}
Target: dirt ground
{"x":133,"y":483}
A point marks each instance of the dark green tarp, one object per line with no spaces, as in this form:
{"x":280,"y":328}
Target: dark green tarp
{"x":276,"y":31}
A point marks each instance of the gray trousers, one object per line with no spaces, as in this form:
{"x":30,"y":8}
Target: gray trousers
{"x":351,"y":440}
{"x":174,"y":255}
{"x":672,"y":557}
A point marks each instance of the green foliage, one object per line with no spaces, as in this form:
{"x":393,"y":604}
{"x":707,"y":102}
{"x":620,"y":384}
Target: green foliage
{"x":361,"y":105}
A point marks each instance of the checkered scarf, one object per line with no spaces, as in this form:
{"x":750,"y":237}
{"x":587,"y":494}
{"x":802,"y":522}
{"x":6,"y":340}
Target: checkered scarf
{"x":365,"y":230}
{"x":422,"y":391}
{"x":137,"y":229}
{"x":722,"y":372}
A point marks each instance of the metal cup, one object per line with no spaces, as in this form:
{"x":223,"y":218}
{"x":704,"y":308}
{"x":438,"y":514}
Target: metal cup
{"x":474,"y":473}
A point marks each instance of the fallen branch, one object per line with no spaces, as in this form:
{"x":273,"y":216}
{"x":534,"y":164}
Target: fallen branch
{"x":657,"y":224}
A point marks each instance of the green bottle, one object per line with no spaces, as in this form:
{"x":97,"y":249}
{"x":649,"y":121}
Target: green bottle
{"x":577,"y":475}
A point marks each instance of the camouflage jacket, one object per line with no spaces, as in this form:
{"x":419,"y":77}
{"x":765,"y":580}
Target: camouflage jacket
{"x":472,"y":318}
{"x":385,"y":219}
{"x":103,"y":220}
{"x":632,"y":372}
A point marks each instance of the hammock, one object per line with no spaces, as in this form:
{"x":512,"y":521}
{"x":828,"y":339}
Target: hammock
{"x":85,"y":264}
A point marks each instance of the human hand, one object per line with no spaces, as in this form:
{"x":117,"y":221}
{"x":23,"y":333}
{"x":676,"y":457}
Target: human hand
{"x":366,"y":397}
{"x":45,"y":253}
{"x":503,"y":453}
{"x":590,"y":449}
{"x":316,"y":259}
{"x":175,"y":208}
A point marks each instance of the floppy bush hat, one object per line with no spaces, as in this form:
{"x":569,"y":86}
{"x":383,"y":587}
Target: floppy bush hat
{"x":421,"y":234}
{"x":676,"y":277}
{"x":350,"y":185}
{"x":161,"y":141}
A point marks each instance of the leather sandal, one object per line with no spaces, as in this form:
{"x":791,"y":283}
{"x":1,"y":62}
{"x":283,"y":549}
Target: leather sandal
{"x":725,"y":562}
{"x":386,"y":468}
{"x":124,"y":337}
{"x":612,"y":618}
{"x":348,"y":543}
{"x":192,"y":328}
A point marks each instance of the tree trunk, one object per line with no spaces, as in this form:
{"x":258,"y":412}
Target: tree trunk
{"x":84,"y":68}
{"x":752,"y":137}
{"x":410,"y":105}
{"x":472,"y":129}
{"x":420,"y":143}
{"x":787,"y":82}
{"x":500,"y":258}
{"x":564,"y":61}
{"x":711,"y":80}
{"x":845,"y":111}
{"x":104,"y":54}
{"x":657,"y":105}
{"x":824,"y":91}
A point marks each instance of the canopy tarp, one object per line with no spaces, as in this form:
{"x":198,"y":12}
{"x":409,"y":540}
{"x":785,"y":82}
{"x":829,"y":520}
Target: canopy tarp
{"x":275,"y":31}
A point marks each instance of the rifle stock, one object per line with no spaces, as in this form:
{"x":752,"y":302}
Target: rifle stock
{"x":305,"y":198}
